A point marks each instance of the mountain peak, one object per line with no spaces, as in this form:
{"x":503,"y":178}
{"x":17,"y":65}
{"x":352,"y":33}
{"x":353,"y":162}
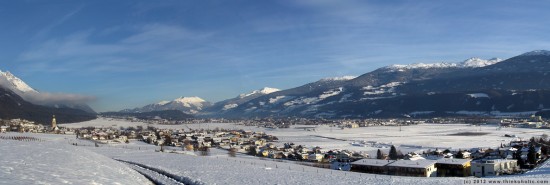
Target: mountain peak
{"x":268,"y":90}
{"x":193,"y":99}
{"x":14,"y":83}
{"x":265,"y":90}
{"x":478,"y":62}
{"x":537,"y":53}
{"x":188,"y":105}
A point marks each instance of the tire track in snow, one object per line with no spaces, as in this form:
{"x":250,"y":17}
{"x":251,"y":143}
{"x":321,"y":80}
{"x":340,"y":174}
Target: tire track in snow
{"x":156,"y":178}
{"x":165,"y":177}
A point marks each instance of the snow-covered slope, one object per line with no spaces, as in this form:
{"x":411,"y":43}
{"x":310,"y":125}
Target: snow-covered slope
{"x":265,"y":90}
{"x":469,"y":63}
{"x":341,"y":78}
{"x":190,"y":101}
{"x":13,"y":83}
{"x":232,"y":103}
{"x":49,"y":162}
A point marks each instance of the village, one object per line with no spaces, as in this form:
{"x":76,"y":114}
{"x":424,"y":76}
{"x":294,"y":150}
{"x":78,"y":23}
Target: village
{"x":517,"y":156}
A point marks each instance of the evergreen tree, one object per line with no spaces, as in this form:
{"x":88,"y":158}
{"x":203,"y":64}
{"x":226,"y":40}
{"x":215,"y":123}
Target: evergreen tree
{"x":517,"y":156}
{"x":393,"y":153}
{"x":532,"y":155}
{"x":379,"y":154}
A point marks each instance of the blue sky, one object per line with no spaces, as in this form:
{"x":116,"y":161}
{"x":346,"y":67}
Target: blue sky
{"x":131,"y":53}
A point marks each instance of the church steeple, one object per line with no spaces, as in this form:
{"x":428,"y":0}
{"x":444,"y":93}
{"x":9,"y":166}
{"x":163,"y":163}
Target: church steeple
{"x":54,"y":123}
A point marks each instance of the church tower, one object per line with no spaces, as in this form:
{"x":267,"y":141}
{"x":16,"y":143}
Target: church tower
{"x":54,"y":123}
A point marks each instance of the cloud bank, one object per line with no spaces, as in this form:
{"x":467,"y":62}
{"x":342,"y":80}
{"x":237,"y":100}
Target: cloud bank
{"x":47,"y":98}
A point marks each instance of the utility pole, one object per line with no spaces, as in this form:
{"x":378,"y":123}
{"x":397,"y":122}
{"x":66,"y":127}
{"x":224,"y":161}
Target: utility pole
{"x":399,"y":127}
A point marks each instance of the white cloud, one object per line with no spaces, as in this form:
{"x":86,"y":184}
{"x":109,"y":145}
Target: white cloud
{"x":45,"y":98}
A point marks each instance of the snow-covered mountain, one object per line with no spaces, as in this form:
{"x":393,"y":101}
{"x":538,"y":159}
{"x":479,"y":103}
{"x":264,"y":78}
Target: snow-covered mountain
{"x":11,"y":82}
{"x":19,"y":87}
{"x":469,"y":63}
{"x":440,"y":89}
{"x":189,"y":105}
{"x":517,"y":84}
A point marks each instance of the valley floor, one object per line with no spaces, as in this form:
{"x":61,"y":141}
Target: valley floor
{"x":62,"y":159}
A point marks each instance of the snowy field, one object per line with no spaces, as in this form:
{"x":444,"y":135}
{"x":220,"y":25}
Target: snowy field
{"x":55,"y":160}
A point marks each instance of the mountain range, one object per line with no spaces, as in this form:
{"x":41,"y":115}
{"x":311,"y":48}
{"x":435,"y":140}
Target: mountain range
{"x":188,"y":105}
{"x":474,"y":87}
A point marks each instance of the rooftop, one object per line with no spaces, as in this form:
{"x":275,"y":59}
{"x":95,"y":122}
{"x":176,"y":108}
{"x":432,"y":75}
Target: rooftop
{"x":413,"y":164}
{"x":453,"y":161}
{"x":372,"y":162}
{"x":493,"y":160}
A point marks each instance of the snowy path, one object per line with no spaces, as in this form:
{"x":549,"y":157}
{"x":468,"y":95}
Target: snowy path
{"x":155,"y":175}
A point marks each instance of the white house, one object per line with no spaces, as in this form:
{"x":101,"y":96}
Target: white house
{"x":494,"y":167}
{"x":4,"y":128}
{"x":315,"y":157}
{"x":466,"y":154}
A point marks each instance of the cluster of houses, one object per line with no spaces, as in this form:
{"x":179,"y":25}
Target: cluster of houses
{"x":20,"y":125}
{"x":187,"y":139}
{"x":200,"y":139}
{"x":474,"y":162}
{"x":532,"y":122}
{"x":104,"y":135}
{"x":271,"y":122}
{"x":290,"y":151}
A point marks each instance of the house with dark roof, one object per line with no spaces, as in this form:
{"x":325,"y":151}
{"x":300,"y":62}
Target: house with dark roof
{"x":418,"y":168}
{"x":375,"y":166}
{"x":447,"y":167}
